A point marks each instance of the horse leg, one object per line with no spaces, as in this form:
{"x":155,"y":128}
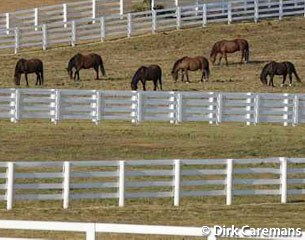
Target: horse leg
{"x":271,"y":80}
{"x":290,"y":80}
{"x":155,"y":84}
{"x":97,"y":75}
{"x":26,"y":79}
{"x":203,"y":75}
{"x":220,"y":58}
{"x":143,"y":83}
{"x":187,"y":76}
{"x":242,"y":56}
{"x":284,"y":80}
{"x":226,"y":58}
{"x":182,"y":76}
{"x":37,"y":79}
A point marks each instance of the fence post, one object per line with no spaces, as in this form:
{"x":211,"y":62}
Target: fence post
{"x":17,"y":39}
{"x":177,"y":182}
{"x":229,"y":13}
{"x":152,"y":6}
{"x":179,"y":107}
{"x":7,"y":24}
{"x":280,"y":9}
{"x":249,"y":109}
{"x":172,"y":108}
{"x":219,"y":108}
{"x":139,"y":107}
{"x":211,"y":108}
{"x":90,"y":233}
{"x":36,"y":18}
{"x":286,"y":109}
{"x":98,"y":112}
{"x":129,"y":25}
{"x":16,"y":96}
{"x":57,"y":106}
{"x":256,"y":108}
{"x":178,"y":15}
{"x":204,"y":15}
{"x":121,"y":7}
{"x":94,"y":10}
{"x":283,"y":186}
{"x":176,"y":3}
{"x":65,"y":14}
{"x":66,"y":184}
{"x":44,"y":37}
{"x":10,"y":172}
{"x":256,"y":16}
{"x":229,"y":182}
{"x":121,"y":183}
{"x":134,"y":107}
{"x":73,"y":33}
{"x":103,"y":28}
{"x":154,"y":21}
{"x":295,"y":120}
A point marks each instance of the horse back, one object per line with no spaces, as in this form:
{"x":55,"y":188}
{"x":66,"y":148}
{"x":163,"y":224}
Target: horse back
{"x":153,"y":72}
{"x":29,"y":66}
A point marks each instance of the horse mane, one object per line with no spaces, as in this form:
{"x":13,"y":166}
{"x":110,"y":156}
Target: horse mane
{"x":178,"y":62}
{"x":265,"y":72}
{"x":215,"y":47}
{"x":20,"y":62}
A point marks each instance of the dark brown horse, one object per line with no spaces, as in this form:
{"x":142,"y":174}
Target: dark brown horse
{"x":230,"y":46}
{"x":150,"y":73}
{"x":278,"y":68}
{"x":25,"y":67}
{"x":80,"y":61}
{"x":186,"y":64}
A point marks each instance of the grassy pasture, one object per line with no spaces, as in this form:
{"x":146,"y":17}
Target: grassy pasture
{"x":35,"y":140}
{"x":269,"y":40}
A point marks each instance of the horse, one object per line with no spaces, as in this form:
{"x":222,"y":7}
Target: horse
{"x":150,"y":73}
{"x":278,"y":68}
{"x":80,"y":61}
{"x":25,"y":67}
{"x":230,"y":46}
{"x":186,"y":64}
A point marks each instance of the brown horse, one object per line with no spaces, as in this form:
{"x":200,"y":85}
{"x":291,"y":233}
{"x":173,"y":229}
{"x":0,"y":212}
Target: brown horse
{"x":80,"y":61}
{"x":186,"y":64}
{"x":225,"y":46}
{"x":25,"y":67}
{"x":278,"y":68}
{"x":150,"y":73}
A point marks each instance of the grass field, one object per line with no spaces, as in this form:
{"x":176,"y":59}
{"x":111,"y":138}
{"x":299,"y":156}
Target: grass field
{"x":272,"y":40}
{"x":33,"y":140}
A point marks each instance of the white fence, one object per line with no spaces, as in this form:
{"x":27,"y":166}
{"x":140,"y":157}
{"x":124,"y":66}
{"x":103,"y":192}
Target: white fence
{"x":174,"y":107}
{"x":91,"y":229}
{"x":127,"y":25}
{"x":63,"y":13}
{"x":174,"y":179}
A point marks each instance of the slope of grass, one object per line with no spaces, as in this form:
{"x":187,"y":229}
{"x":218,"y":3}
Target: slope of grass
{"x":272,"y":40}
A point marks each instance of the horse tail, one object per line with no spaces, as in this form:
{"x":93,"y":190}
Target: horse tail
{"x":102,"y":66}
{"x":247,"y":52}
{"x":208,"y":70}
{"x":295,"y":73}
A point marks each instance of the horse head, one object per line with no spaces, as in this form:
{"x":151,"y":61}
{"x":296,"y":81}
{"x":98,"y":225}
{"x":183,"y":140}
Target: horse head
{"x":70,"y":72}
{"x":175,"y":75}
{"x":17,"y":77}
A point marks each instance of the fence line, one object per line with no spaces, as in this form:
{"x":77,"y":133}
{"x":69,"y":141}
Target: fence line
{"x":91,"y":229}
{"x":127,"y":25}
{"x":174,"y":107}
{"x":122,"y":180}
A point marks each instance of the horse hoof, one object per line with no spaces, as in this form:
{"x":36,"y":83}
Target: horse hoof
{"x":290,"y":85}
{"x":282,"y":85}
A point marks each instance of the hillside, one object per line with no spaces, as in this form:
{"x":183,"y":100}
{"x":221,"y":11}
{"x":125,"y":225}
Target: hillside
{"x":271,"y":40}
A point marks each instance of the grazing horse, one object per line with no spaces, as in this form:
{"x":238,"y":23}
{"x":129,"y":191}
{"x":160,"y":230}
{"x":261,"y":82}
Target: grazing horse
{"x":186,"y":64}
{"x":80,"y":61}
{"x":278,"y":68}
{"x":225,"y":46}
{"x":150,"y":73}
{"x":25,"y":67}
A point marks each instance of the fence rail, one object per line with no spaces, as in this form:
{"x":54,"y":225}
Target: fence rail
{"x":91,"y":229}
{"x":174,"y":179}
{"x":174,"y":107}
{"x":126,"y":25}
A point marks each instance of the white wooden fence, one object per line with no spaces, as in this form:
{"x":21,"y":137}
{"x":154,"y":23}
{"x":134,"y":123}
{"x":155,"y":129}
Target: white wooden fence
{"x":63,"y":13}
{"x":174,"y":107}
{"x":175,"y":179}
{"x":126,"y":25}
{"x":91,"y":229}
